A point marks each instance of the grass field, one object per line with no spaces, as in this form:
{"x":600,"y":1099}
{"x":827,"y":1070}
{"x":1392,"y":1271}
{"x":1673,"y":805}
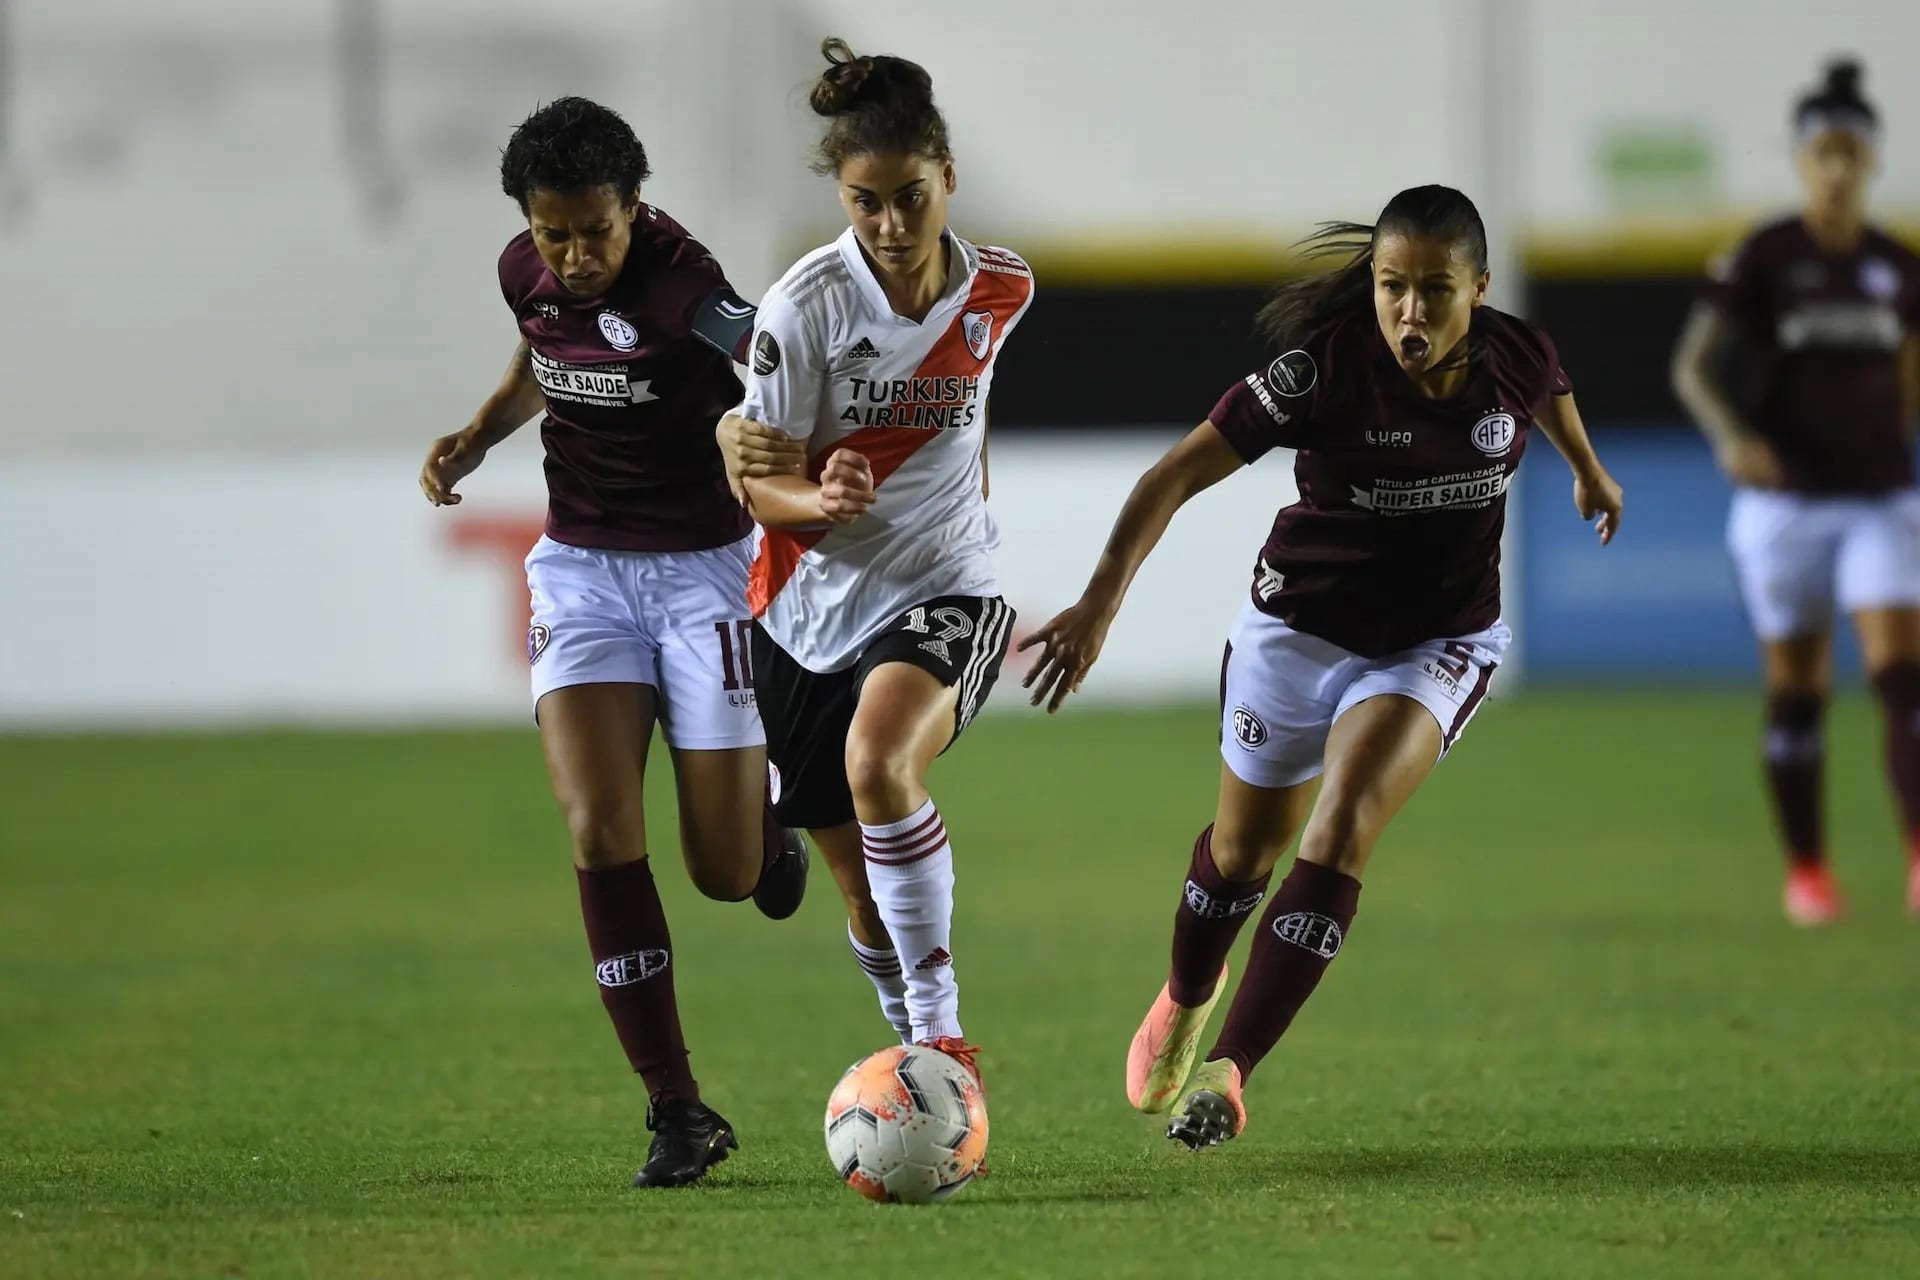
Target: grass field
{"x":288,"y":1005}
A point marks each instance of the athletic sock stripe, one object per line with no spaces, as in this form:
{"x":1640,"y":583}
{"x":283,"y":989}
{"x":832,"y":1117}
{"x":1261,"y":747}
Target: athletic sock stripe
{"x":901,"y":858}
{"x":932,"y":840}
{"x":910,"y":836}
{"x":919,"y":836}
{"x":907,"y":862}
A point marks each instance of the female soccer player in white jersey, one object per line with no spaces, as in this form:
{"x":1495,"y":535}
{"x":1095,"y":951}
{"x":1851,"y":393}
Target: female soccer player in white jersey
{"x":880,"y":628}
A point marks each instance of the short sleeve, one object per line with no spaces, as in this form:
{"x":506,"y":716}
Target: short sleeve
{"x":1737,"y":284}
{"x":516,"y":282}
{"x":785,"y":368}
{"x":1555,"y":374}
{"x":684,"y":282}
{"x":1271,"y":408}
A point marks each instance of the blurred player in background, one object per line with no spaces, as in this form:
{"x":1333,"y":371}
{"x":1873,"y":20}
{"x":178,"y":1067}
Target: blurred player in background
{"x":1822,"y":312}
{"x":880,"y":624}
{"x":629,"y":332}
{"x":1373,"y":626}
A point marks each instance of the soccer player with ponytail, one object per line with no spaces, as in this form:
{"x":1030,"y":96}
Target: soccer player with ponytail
{"x":1372,"y":627}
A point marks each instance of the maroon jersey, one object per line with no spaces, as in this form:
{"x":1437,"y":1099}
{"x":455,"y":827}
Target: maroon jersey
{"x":1827,"y":328}
{"x":1396,"y":537}
{"x":635,"y":381}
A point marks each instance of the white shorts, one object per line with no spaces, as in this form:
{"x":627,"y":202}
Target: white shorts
{"x":675,"y":620}
{"x":1282,"y":690}
{"x":1798,"y":557}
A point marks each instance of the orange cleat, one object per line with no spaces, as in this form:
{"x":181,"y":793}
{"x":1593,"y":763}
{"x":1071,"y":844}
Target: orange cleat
{"x":1163,"y":1049}
{"x":967,"y":1055}
{"x":1812,"y":896}
{"x":1211,"y":1111}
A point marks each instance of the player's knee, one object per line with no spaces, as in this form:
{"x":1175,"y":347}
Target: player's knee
{"x":1243,"y":856}
{"x":1338,"y":836}
{"x":879,"y":778}
{"x":725,"y":883}
{"x":602,"y":839}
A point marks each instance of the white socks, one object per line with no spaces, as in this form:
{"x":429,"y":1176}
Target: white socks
{"x":883,"y":970}
{"x":910,"y":871}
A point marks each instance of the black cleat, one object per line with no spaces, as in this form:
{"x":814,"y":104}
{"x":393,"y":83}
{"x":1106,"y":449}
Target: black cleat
{"x":783,"y":885}
{"x":689,"y":1138}
{"x":1207,"y":1120}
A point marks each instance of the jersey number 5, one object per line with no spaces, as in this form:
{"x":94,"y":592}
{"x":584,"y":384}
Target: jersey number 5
{"x":1458,"y":657}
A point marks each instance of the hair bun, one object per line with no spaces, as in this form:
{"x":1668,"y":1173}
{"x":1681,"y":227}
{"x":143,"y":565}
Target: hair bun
{"x":1843,"y":79}
{"x":840,"y":85}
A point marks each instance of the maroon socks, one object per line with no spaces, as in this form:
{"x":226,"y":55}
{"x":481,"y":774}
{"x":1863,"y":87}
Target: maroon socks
{"x":633,"y":964}
{"x":1212,"y":912}
{"x":1303,"y":929}
{"x":1794,"y":750}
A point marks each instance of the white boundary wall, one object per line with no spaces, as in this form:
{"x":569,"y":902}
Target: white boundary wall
{"x":325,"y":590}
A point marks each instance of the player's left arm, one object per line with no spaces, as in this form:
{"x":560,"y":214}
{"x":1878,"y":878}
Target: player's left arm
{"x":1595,"y":493}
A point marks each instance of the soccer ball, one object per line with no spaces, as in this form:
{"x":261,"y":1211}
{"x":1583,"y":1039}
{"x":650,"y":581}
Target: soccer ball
{"x":908,"y":1124}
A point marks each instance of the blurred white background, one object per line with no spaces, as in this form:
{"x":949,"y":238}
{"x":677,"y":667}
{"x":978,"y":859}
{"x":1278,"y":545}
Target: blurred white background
{"x":246,"y":252}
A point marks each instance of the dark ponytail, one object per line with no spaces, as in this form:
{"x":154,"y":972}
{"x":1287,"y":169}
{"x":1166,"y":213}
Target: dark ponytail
{"x":874,"y":104}
{"x":1837,"y":104}
{"x":1301,"y":307}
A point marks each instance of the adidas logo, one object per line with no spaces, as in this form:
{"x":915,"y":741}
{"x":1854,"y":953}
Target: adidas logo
{"x":938,"y":648}
{"x":864,"y":350}
{"x":937,"y":959}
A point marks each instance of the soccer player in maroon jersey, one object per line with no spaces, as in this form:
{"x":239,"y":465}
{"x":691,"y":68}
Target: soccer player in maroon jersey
{"x":1821,"y":313}
{"x":628,"y":334}
{"x":1373,"y":625}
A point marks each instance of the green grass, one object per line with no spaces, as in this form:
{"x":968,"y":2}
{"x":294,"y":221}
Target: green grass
{"x":288,"y":1005}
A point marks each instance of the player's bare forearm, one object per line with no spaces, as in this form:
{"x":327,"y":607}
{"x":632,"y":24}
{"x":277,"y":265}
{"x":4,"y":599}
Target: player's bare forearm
{"x":783,"y":502}
{"x":1559,"y":420}
{"x":1198,"y":462}
{"x":1697,"y":386}
{"x":513,"y":403}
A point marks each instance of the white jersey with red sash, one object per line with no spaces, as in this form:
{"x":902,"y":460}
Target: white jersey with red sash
{"x":833,"y":364}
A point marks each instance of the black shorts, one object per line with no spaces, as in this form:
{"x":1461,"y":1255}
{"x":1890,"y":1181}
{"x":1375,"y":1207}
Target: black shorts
{"x":959,"y":640}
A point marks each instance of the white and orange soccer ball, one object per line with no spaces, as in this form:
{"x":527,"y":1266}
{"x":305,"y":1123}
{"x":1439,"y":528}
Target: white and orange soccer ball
{"x":908,"y":1124}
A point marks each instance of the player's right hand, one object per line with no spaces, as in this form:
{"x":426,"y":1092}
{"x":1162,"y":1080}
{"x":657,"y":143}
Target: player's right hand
{"x":753,"y":450}
{"x":1751,"y":462}
{"x":450,"y":459}
{"x":846,"y":486}
{"x":1071,"y":645}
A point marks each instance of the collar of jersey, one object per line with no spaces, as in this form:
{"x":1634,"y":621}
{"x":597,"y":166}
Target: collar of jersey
{"x":960,"y":269}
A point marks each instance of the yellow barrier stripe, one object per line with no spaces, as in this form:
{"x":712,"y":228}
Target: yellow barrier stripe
{"x":1646,"y":248}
